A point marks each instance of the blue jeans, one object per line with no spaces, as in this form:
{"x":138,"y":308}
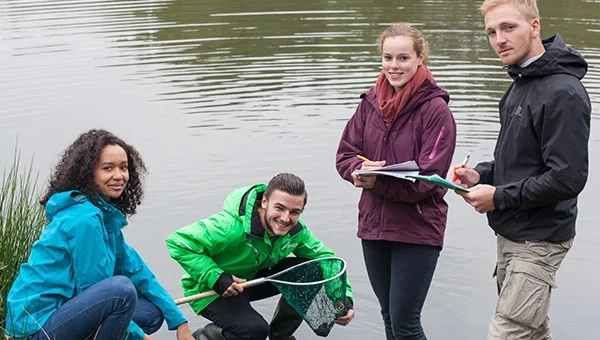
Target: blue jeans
{"x":102,"y":312}
{"x":400,"y":275}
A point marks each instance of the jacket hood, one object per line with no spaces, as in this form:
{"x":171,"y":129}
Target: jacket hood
{"x":426,"y":92}
{"x":62,"y":200}
{"x":241,"y":201}
{"x":558,"y":58}
{"x":241,"y":204}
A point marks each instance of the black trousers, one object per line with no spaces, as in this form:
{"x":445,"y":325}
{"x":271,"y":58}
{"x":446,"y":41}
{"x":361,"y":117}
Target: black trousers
{"x":400,"y":274}
{"x":239,"y":320}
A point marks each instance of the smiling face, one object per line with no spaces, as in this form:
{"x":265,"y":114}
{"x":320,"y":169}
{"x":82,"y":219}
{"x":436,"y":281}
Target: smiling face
{"x":280,"y":212}
{"x":514,"y":38}
{"x":111,"y":174}
{"x":399,"y":60}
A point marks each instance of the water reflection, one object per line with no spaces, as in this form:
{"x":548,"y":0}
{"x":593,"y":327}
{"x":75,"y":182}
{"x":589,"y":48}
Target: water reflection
{"x":220,"y":93}
{"x":225,"y":62}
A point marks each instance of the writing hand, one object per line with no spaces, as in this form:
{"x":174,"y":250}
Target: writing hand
{"x":372,"y":165}
{"x":367,"y":181}
{"x":465,"y":177}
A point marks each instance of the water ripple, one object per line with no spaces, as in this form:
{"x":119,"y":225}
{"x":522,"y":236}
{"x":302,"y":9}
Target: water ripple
{"x":227,"y":65}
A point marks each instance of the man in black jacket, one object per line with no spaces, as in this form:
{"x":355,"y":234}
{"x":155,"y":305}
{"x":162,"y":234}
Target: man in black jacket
{"x":529,"y":191}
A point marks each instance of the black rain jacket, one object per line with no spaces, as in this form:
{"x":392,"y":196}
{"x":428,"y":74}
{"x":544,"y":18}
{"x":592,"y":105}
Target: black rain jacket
{"x":541,"y":157}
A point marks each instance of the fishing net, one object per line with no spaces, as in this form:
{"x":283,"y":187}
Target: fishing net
{"x":316,"y":289}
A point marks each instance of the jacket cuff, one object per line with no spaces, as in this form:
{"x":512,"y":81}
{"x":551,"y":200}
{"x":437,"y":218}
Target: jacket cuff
{"x":223,"y":282}
{"x":485,"y":174}
{"x":172,"y":324}
{"x":212,"y":276}
{"x":348,"y":303}
{"x":134,"y":332}
{"x":499,"y":202}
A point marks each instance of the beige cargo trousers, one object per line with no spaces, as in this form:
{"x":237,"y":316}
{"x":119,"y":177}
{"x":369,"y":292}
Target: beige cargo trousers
{"x":525,"y":276}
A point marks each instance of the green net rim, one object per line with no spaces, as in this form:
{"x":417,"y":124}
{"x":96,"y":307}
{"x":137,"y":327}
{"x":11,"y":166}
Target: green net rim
{"x":342,"y":271}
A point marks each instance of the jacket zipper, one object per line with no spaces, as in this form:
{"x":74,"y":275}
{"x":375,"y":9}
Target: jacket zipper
{"x":419,"y":208}
{"x":501,"y":138}
{"x":438,"y":141}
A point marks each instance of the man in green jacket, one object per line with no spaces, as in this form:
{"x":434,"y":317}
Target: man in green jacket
{"x":252,"y":237}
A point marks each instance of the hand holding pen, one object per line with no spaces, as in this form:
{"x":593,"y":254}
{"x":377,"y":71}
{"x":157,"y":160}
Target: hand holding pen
{"x":460,"y":166}
{"x":368,"y":164}
{"x":463,"y":175}
{"x":366,"y":181}
{"x":480,"y":196}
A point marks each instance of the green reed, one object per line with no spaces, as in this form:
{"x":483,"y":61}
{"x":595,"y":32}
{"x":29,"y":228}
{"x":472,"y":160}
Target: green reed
{"x":22,"y":219}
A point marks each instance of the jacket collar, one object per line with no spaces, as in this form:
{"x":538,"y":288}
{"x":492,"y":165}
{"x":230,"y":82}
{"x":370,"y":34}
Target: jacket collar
{"x":114,"y":219}
{"x":426,"y":92}
{"x":558,"y":59}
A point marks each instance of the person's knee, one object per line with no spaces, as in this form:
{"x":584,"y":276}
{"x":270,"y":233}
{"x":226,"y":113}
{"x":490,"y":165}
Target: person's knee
{"x":405,"y":320}
{"x":258,"y":330}
{"x":154,"y":323}
{"x":407,"y":326}
{"x":123,"y":288}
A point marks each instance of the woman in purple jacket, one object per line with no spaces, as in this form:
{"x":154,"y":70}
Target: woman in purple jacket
{"x":405,"y":116}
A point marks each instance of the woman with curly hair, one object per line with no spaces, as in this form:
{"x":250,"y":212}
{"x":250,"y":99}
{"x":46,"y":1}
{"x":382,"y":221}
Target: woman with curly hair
{"x":82,"y":280}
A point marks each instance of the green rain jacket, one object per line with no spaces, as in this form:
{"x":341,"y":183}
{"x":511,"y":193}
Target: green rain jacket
{"x":234,"y":242}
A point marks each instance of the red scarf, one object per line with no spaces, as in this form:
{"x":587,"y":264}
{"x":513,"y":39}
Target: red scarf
{"x":390,"y":102}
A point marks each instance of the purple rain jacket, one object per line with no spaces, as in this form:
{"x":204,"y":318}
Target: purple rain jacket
{"x":424,"y":131}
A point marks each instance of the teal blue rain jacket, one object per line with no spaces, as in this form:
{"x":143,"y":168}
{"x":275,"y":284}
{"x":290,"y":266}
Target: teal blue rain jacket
{"x":82,"y":245}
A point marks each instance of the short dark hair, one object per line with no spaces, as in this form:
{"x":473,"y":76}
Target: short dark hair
{"x":288,"y":183}
{"x":75,"y":170}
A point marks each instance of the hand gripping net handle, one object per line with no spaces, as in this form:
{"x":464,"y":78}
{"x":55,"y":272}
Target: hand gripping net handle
{"x":272,"y":278}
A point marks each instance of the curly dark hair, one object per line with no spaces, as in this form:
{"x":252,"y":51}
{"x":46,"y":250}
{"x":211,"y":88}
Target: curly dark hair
{"x":75,"y":170}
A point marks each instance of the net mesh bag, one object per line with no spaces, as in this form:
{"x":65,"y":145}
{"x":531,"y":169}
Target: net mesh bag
{"x":317,"y":291}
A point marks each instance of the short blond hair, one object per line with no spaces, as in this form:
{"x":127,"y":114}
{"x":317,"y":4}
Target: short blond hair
{"x":420,"y":44}
{"x":528,"y":8}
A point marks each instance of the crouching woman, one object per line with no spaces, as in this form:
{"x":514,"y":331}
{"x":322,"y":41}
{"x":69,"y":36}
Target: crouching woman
{"x":82,"y":280}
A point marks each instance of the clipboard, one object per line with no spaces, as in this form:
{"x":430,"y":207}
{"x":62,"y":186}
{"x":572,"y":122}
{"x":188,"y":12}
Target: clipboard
{"x":439,"y":181}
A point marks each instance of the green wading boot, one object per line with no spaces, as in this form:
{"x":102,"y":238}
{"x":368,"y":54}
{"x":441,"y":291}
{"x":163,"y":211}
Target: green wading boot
{"x":285,"y":322}
{"x":209,"y":332}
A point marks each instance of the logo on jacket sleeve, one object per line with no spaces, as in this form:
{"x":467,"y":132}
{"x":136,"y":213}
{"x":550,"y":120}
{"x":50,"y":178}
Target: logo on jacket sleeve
{"x":518,"y":111}
{"x":289,"y":245}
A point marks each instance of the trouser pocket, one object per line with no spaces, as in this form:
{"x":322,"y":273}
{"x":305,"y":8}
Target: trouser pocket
{"x":525,"y":295}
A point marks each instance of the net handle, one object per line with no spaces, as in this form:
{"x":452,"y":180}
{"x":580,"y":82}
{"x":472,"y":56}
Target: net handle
{"x":210,"y":293}
{"x":271,"y":278}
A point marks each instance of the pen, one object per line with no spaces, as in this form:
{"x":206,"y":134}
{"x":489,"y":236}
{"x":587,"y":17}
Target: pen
{"x":462,"y":165}
{"x":363,"y":158}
